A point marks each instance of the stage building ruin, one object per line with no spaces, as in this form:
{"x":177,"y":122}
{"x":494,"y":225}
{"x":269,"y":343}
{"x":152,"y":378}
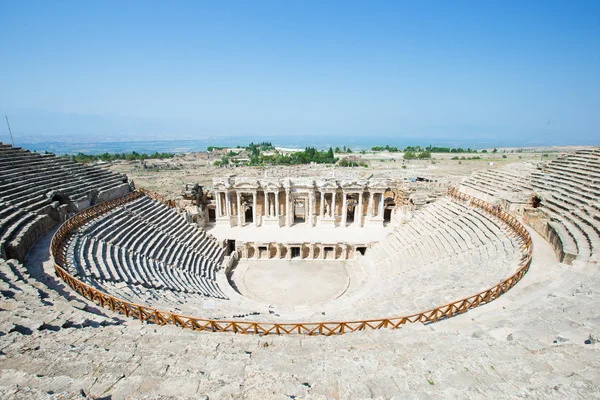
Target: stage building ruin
{"x":323,"y":202}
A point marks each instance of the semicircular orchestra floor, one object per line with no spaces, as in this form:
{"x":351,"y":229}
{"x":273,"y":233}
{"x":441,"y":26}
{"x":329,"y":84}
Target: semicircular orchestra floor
{"x":291,"y":283}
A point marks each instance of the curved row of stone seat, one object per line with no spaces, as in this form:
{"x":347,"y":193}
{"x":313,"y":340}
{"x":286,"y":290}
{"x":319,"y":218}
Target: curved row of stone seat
{"x":454,"y":247}
{"x":444,"y":230}
{"x":569,"y":187}
{"x":473,"y":250}
{"x":576,"y":229}
{"x":26,"y":177}
{"x":458,"y":227}
{"x":165,"y":219}
{"x":583,"y":163}
{"x":494,"y":182}
{"x":19,"y":230}
{"x":147,"y":227}
{"x":106,"y":262}
{"x":143,"y":242}
{"x":36,"y":192}
{"x":58,"y":348}
{"x":23,"y":297}
{"x":71,"y":179}
{"x":569,"y":190}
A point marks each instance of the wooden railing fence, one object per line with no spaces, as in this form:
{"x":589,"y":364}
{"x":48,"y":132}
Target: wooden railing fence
{"x":151,"y":315}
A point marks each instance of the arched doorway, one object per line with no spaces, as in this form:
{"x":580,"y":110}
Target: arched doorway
{"x":389,"y":203}
{"x":535,"y":200}
{"x":248,"y":214}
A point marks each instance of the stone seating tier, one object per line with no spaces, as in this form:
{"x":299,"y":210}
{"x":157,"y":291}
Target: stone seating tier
{"x":146,"y":243}
{"x":124,"y":228}
{"x":569,"y":188}
{"x":46,"y":332}
{"x":21,"y":174}
{"x":567,"y":185}
{"x":26,"y":181}
{"x":30,"y":306}
{"x":105,"y":262}
{"x":494,"y":182}
{"x":443,"y":241}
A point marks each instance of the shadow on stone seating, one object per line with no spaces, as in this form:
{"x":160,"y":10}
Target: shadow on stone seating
{"x":38,"y":255}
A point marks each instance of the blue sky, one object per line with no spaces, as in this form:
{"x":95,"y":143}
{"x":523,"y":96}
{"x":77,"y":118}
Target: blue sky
{"x":127,"y":70}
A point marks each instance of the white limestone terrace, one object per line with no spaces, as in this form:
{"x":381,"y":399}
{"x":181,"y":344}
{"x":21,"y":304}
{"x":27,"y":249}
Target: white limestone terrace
{"x":37,"y":191}
{"x":560,"y":199}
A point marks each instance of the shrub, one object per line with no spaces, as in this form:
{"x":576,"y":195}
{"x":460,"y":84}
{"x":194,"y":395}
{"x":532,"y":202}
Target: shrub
{"x":347,"y":163}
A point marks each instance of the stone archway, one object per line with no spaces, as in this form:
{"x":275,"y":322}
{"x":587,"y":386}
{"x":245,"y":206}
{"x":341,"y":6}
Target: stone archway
{"x":535,"y":200}
{"x":389,"y":204}
{"x":56,"y":195}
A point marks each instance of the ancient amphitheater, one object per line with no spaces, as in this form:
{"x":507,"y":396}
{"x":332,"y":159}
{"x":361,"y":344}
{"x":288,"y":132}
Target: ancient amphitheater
{"x":300,"y":287}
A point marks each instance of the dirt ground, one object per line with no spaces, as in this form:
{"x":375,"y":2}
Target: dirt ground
{"x":168,"y":176}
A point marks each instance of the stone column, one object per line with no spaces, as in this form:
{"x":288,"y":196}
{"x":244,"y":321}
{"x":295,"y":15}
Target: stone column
{"x":344,"y":209}
{"x":287,"y":207}
{"x":218,"y":203}
{"x":254,"y":209}
{"x":239,"y":208}
{"x":370,"y":209}
{"x":322,"y":211}
{"x":266,"y":203}
{"x":288,"y":253}
{"x":228,"y":203}
{"x":344,"y":255}
{"x":311,"y":251}
{"x":277,"y":203}
{"x":278,"y":251}
{"x":309,"y":218}
{"x":380,"y":212}
{"x":333,"y":205}
{"x":360,"y":208}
